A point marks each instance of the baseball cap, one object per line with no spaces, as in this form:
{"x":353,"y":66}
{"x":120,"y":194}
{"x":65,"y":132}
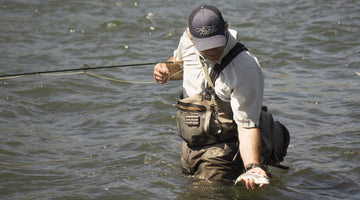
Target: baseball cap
{"x":207,"y":27}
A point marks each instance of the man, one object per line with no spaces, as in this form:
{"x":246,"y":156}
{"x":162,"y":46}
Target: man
{"x":240,"y":84}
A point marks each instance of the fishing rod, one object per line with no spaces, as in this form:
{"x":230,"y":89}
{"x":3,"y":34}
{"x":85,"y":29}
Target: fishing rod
{"x":89,"y":68}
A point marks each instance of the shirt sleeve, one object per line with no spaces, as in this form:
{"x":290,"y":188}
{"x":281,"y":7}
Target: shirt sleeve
{"x":247,"y":88}
{"x":184,"y":44}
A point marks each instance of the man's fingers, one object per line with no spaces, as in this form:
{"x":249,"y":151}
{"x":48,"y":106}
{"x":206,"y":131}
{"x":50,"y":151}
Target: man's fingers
{"x":161,"y":73}
{"x":162,"y":68}
{"x":250,"y":184}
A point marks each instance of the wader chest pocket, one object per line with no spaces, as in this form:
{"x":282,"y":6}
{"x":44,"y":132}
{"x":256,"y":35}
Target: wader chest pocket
{"x":191,"y":121}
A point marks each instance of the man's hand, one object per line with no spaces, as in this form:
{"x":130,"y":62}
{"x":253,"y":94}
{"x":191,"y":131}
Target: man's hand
{"x":249,"y":182}
{"x":161,"y":73}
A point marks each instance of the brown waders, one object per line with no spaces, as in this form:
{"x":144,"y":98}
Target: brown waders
{"x":212,"y":162}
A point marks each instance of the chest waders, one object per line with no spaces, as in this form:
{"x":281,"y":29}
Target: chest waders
{"x":205,"y":119}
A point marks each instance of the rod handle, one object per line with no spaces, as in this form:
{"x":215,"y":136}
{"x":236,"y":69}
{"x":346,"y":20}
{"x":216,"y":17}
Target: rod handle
{"x":178,"y":62}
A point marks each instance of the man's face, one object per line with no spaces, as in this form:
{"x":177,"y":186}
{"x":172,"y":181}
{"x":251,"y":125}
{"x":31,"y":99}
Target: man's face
{"x":213,"y":54}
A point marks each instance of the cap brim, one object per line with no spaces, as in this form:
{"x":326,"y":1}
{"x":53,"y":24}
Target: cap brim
{"x":203,"y":44}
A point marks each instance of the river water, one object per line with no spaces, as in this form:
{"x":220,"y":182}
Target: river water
{"x":80,"y":136}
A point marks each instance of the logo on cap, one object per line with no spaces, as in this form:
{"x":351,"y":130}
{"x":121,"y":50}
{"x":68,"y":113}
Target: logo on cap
{"x":207,"y":30}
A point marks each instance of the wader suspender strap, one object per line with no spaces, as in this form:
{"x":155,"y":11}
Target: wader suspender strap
{"x":236,"y":50}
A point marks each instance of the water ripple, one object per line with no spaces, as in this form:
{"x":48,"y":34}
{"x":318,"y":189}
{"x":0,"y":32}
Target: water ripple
{"x":83,"y":137}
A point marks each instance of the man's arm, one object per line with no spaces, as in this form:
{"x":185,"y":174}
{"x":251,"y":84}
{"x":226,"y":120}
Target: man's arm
{"x":250,"y":151}
{"x":163,"y":72}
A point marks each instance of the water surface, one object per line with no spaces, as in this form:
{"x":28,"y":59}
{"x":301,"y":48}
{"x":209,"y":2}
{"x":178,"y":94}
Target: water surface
{"x":83,"y":137}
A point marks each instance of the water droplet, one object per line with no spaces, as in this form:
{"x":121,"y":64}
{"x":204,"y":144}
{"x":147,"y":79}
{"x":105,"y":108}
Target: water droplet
{"x":149,"y":15}
{"x":111,"y":25}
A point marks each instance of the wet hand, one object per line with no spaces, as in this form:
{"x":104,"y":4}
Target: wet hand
{"x":161,"y":73}
{"x":249,"y":182}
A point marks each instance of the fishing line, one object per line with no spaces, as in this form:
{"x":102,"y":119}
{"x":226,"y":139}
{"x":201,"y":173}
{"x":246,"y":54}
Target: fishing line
{"x":116,"y":80}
